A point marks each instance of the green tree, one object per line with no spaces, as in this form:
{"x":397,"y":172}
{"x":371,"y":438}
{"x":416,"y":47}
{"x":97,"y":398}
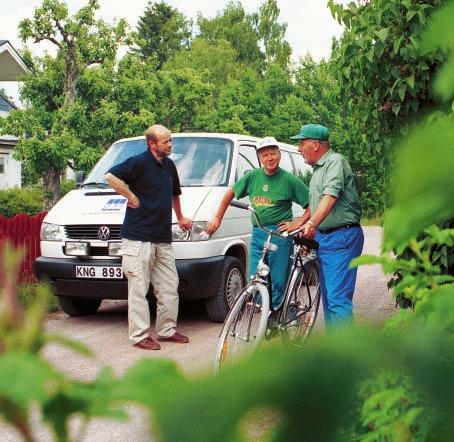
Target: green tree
{"x":216,"y":62}
{"x":236,"y":27}
{"x":379,"y":65}
{"x":46,"y":141}
{"x":81,"y":40}
{"x":272,"y":34}
{"x":161,"y":31}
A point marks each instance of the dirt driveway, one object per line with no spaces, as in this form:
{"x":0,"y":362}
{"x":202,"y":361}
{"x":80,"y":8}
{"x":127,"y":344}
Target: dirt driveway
{"x":106,"y":334}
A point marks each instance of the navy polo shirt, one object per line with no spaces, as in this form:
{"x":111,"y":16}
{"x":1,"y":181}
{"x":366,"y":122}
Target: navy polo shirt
{"x":155,"y":184}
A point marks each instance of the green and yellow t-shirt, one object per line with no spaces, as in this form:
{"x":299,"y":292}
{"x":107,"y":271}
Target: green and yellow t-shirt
{"x":272,"y":196}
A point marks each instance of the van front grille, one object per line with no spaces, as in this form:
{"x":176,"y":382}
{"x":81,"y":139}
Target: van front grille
{"x":90,"y":231}
{"x":99,"y":251}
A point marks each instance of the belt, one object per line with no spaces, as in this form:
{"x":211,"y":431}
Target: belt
{"x":344,"y":226}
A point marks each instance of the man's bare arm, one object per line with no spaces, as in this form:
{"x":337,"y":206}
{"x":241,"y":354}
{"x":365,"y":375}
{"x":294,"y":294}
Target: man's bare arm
{"x":123,"y":189}
{"x":323,"y":209}
{"x":183,"y":222}
{"x":216,"y":221}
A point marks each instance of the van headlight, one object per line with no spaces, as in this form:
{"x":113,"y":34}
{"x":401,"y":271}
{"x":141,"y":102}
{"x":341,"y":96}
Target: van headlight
{"x":196,"y":233}
{"x":51,"y":232}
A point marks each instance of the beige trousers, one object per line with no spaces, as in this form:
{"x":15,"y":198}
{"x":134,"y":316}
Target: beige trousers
{"x":145,"y":262}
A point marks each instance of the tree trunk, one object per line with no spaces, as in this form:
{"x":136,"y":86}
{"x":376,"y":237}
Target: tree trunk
{"x":51,"y":188}
{"x":70,"y":80}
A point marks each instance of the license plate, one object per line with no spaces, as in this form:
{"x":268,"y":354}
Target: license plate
{"x":99,"y":272}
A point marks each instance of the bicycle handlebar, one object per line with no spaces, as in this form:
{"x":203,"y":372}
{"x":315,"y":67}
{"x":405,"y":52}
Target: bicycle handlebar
{"x":240,"y":205}
{"x":310,"y":243}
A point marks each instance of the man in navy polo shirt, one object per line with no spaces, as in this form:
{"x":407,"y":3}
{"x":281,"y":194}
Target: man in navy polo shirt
{"x":150,"y":183}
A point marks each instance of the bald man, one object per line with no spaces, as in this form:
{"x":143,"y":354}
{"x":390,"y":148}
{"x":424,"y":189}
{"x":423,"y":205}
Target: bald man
{"x":150,"y":183}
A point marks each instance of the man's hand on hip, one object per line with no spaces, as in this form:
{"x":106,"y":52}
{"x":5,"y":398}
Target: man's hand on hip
{"x":133,"y":201}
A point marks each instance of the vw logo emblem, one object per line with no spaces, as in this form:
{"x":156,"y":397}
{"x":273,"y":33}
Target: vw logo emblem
{"x":104,"y":233}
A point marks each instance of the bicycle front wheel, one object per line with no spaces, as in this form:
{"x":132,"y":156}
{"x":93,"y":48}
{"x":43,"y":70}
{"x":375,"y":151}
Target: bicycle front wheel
{"x":302,"y":303}
{"x":244,"y":326}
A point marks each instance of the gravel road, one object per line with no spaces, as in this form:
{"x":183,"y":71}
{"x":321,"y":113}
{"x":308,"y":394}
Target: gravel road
{"x":106,"y":334}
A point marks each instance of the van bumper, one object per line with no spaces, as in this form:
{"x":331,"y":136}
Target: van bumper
{"x":199,"y":278}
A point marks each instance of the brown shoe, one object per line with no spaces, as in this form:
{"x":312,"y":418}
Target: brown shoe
{"x":176,"y":337}
{"x":147,"y":344}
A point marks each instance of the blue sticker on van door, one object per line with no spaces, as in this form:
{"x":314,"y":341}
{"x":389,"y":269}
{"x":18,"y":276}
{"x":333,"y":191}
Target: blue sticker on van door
{"x":114,"y":205}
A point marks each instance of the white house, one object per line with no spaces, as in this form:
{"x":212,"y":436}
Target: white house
{"x":12,"y":67}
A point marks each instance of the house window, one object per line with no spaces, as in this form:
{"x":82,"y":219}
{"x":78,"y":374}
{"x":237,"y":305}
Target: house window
{"x":2,"y":165}
{"x":5,"y":105}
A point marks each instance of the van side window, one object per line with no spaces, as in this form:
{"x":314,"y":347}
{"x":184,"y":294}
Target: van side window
{"x":247,"y":161}
{"x":303,"y":171}
{"x":286,"y":162}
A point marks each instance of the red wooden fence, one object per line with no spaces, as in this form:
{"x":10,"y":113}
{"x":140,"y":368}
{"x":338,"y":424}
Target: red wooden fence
{"x":22,"y":231}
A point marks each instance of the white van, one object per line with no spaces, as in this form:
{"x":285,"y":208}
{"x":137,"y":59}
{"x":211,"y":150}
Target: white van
{"x":80,"y":236}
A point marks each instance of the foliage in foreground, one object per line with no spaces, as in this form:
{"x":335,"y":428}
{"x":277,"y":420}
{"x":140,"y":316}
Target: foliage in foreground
{"x":396,"y":383}
{"x":309,"y":388}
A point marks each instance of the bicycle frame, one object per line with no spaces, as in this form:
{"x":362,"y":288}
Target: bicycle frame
{"x":298,"y":261}
{"x":269,"y":246}
{"x":248,"y":321}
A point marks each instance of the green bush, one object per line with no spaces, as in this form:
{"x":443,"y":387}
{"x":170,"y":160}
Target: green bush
{"x":66,"y":186}
{"x":28,"y":200}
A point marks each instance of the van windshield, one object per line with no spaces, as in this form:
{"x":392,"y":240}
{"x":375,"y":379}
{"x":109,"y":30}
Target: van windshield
{"x":200,"y":161}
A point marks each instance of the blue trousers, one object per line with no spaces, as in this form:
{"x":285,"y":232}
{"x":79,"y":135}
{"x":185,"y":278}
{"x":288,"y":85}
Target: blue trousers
{"x":279,"y":261}
{"x":337,"y":249}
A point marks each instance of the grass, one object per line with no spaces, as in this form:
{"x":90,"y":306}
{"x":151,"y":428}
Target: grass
{"x":372,"y":221}
{"x":27,"y":294}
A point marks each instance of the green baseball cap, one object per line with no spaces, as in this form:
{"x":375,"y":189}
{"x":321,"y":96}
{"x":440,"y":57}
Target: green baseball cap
{"x":312,"y":132}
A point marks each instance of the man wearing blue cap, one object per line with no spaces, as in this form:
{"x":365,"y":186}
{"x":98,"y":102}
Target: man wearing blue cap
{"x":334,"y":220}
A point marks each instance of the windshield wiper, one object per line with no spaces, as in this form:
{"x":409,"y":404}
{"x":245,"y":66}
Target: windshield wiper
{"x":95,"y":184}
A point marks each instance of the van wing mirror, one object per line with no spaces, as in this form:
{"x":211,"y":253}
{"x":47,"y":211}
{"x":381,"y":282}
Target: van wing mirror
{"x":80,"y":176}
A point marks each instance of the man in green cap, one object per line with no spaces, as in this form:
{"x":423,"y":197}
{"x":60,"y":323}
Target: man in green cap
{"x":334,"y":219}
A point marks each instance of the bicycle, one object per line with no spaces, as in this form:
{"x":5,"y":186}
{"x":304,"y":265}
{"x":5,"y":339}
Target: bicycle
{"x":253,"y":317}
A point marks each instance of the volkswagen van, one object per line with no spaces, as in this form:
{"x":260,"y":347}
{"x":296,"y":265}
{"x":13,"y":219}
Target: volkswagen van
{"x":80,"y":236}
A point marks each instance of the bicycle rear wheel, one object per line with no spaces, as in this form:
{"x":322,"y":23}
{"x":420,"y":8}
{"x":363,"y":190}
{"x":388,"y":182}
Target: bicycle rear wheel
{"x":302,"y":303}
{"x":244,"y":326}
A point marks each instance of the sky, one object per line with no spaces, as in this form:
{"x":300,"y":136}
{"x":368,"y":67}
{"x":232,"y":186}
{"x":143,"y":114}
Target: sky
{"x":310,"y":26}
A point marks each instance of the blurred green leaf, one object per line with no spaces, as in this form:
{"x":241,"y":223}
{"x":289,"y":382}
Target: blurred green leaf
{"x":25,"y":378}
{"x":444,"y":84}
{"x":148,"y":381}
{"x":423,"y":173}
{"x":438,"y":33}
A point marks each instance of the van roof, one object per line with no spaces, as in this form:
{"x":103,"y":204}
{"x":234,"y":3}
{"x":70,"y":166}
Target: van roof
{"x":234,"y":137}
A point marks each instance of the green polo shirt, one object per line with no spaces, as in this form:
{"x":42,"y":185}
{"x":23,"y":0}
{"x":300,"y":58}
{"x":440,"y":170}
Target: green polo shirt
{"x":333,"y":176}
{"x":272,"y":196}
